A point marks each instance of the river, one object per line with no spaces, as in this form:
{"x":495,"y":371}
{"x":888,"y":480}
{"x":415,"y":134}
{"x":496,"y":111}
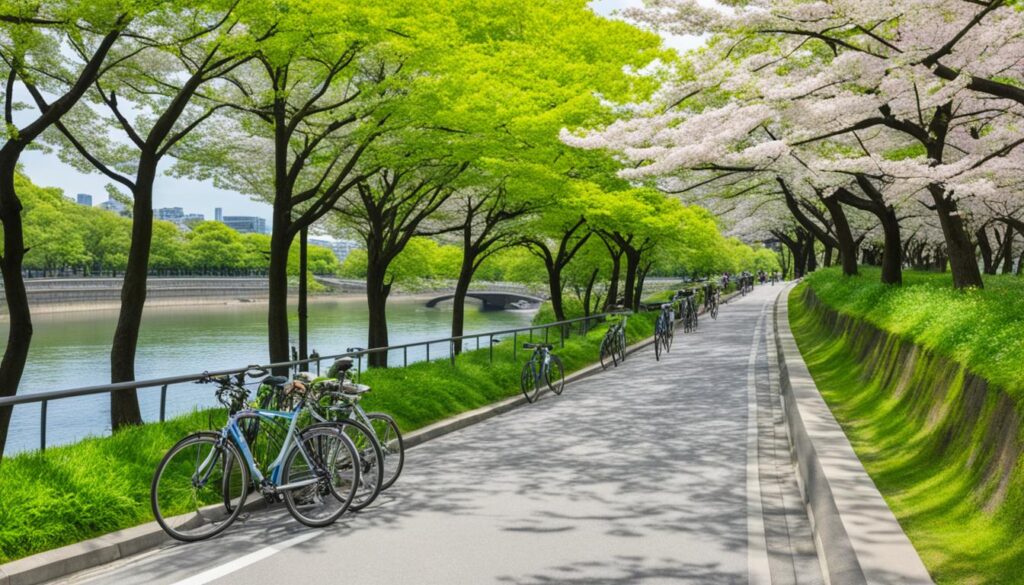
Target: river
{"x":72,"y":350}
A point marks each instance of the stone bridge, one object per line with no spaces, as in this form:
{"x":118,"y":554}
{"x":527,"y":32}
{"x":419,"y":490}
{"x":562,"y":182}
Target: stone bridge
{"x":494,"y":300}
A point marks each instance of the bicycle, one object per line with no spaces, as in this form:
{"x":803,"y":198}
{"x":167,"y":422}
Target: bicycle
{"x":323,"y":410}
{"x":613,"y":346}
{"x":664,"y":328}
{"x":542,"y":365}
{"x":316,"y":471}
{"x":383,"y":427}
{"x":688,"y":308}
{"x":714,"y":302}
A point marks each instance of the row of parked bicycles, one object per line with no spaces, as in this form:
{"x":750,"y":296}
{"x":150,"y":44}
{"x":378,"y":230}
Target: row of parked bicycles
{"x":613,"y":346}
{"x":300,"y":440}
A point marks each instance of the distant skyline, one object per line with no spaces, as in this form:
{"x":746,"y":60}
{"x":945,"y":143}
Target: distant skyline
{"x":48,"y":170}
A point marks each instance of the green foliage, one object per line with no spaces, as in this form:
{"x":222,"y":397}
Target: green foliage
{"x":980,"y":329}
{"x":71,"y":493}
{"x":62,"y":235}
{"x":927,"y":463}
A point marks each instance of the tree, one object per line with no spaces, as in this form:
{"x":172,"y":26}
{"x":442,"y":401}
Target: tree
{"x":176,"y":52}
{"x":31,"y":35}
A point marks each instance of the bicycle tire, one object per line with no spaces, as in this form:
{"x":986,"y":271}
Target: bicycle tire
{"x":605,"y":355}
{"x":166,"y":506}
{"x":556,"y":383}
{"x":528,"y":382}
{"x":657,"y":346}
{"x":331,"y":451}
{"x":371,"y":457}
{"x":392,"y":445}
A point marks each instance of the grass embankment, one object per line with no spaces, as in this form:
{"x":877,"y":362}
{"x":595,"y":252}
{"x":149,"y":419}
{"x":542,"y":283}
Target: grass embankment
{"x":76,"y":492}
{"x":943,"y":446}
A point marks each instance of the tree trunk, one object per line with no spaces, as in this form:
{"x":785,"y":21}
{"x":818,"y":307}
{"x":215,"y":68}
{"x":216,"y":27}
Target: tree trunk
{"x":124,"y":405}
{"x":377,"y":291}
{"x":826,"y":256}
{"x":459,"y":300}
{"x":985,"y":247}
{"x":892,"y":253}
{"x":629,"y":286}
{"x":1008,"y":250}
{"x":812,"y":255}
{"x":19,"y":334}
{"x":589,"y":291}
{"x":959,"y":248}
{"x":277,"y":309}
{"x":613,"y":285}
{"x":844,"y":236}
{"x":303,"y":293}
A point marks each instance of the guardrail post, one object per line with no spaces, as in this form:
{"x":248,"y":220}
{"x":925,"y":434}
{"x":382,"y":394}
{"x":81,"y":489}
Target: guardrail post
{"x":405,"y":357}
{"x":42,"y":425}
{"x":451,"y":350}
{"x":561,"y":335}
{"x":163,"y":403}
{"x":428,"y":352}
{"x":490,"y":356}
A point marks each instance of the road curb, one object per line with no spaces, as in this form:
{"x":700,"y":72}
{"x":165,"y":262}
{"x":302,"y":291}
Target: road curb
{"x":858,"y":538}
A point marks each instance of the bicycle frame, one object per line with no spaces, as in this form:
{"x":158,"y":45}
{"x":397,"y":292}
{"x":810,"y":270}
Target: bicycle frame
{"x":234,"y":433}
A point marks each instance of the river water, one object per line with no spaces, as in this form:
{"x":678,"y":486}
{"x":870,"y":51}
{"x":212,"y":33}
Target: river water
{"x":71,"y":350}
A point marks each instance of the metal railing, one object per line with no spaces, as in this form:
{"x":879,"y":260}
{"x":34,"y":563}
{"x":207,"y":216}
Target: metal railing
{"x":565,"y":328}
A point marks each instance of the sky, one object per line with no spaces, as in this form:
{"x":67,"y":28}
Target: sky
{"x":202,"y":197}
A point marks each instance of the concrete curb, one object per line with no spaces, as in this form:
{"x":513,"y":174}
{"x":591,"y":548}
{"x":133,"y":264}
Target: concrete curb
{"x":858,"y":538}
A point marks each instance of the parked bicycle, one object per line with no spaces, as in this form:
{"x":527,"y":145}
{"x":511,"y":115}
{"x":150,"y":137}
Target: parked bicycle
{"x":543,"y":367}
{"x":688,"y":310}
{"x":664,"y":330}
{"x":714,"y":300}
{"x":613,"y":346}
{"x":315,"y":472}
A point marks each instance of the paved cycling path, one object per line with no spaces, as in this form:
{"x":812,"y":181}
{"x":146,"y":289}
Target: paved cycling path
{"x":654,"y":472}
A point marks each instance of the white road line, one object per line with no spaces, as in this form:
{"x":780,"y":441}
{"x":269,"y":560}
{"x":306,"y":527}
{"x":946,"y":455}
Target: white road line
{"x":758,"y":570}
{"x":241,"y":563}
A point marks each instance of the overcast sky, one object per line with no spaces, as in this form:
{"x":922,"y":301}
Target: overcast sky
{"x":202,"y":197}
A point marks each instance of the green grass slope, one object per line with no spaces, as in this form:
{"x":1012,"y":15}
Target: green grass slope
{"x":942,"y":444}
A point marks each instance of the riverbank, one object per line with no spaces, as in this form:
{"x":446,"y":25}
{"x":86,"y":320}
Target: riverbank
{"x":926,"y":383}
{"x":75,"y":492}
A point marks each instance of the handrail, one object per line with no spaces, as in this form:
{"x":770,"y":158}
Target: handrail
{"x":43,"y":398}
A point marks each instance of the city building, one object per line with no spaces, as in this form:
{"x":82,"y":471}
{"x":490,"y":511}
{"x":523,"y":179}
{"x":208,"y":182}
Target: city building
{"x":246,"y":224}
{"x":84,"y":199}
{"x":173,"y":214}
{"x":193,"y":217}
{"x":218,"y":214}
{"x":341,"y":248}
{"x":114,"y":206}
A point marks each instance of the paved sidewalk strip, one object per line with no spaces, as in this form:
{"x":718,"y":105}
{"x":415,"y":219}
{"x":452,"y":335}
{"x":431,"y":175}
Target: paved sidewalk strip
{"x":635,"y":475}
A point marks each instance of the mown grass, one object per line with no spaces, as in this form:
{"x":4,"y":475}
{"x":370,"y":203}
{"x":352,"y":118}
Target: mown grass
{"x":981,"y":329}
{"x":75,"y":492}
{"x":936,"y":488}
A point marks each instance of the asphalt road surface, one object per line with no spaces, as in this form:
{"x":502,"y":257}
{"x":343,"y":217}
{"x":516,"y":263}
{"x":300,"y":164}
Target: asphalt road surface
{"x":675,"y":471}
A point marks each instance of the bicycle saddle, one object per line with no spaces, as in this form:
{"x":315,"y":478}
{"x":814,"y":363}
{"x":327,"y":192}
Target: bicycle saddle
{"x":343,"y":364}
{"x":275,"y":380}
{"x":536,"y":345}
{"x":356,"y":389}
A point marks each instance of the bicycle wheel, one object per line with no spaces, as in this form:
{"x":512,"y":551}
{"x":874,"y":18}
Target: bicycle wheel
{"x":528,"y":382}
{"x":391,"y":445}
{"x":187,"y":494}
{"x":657,"y":345}
{"x":554,"y":375}
{"x":320,"y":479}
{"x":371,"y":469}
{"x":620,"y":345}
{"x":606,"y":354}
